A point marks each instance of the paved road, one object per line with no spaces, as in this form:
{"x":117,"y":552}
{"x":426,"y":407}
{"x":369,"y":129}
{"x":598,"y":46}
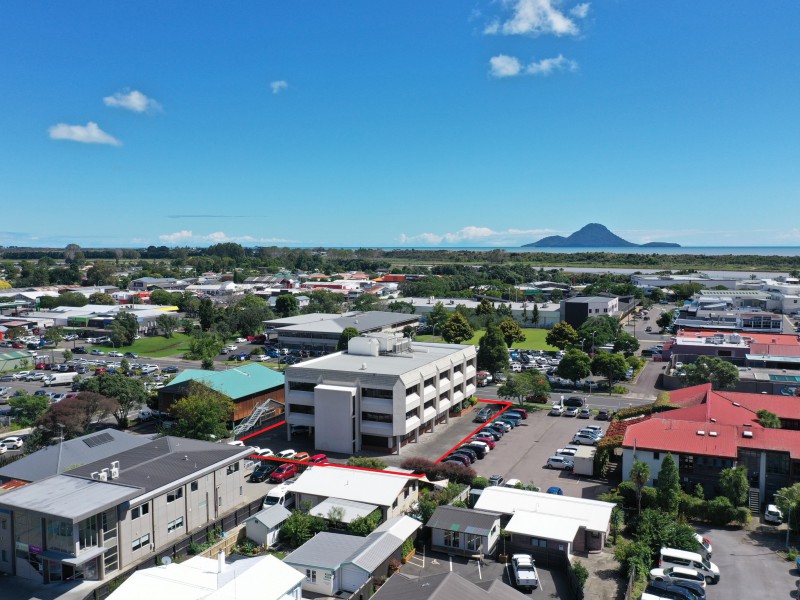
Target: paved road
{"x":593,"y":400}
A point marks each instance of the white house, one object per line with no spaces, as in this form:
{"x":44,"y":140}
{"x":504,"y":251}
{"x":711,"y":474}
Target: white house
{"x":263,"y":527}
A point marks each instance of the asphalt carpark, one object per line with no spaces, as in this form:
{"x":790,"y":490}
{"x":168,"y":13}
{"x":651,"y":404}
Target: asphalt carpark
{"x":553,"y":583}
{"x":520,"y":454}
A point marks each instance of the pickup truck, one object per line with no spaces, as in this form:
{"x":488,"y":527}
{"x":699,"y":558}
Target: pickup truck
{"x":525,"y":575}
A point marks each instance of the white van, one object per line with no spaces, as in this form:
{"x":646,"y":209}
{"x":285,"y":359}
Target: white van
{"x":280,"y":494}
{"x":690,"y":560}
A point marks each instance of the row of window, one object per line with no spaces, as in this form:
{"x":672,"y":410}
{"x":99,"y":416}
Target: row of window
{"x":453,"y":540}
{"x":140,"y":542}
{"x":173,"y":525}
{"x":373,"y":416}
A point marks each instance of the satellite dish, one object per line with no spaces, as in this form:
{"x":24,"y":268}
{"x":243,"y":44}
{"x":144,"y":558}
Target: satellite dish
{"x":166,"y":560}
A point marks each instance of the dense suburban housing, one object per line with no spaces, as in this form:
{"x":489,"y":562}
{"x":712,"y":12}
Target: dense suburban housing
{"x":383,"y":392}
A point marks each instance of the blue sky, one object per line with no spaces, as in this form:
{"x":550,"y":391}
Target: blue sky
{"x":417,"y":123}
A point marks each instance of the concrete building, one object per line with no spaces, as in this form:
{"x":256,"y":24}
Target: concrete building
{"x":382,"y":393}
{"x":321,"y":332}
{"x":105,"y":516}
{"x":661,"y":281}
{"x":549,"y":313}
{"x":577,"y":310}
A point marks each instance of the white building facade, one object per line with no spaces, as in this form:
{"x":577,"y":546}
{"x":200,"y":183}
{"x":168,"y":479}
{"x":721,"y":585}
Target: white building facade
{"x":382,"y":393}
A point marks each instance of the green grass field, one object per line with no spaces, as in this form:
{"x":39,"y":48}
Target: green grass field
{"x":154,"y":347}
{"x":534,"y":339}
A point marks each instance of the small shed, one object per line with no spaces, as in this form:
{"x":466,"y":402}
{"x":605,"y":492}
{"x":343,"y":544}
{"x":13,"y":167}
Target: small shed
{"x":464,"y":531}
{"x":15,"y":359}
{"x":584,"y":460}
{"x":263,"y":527}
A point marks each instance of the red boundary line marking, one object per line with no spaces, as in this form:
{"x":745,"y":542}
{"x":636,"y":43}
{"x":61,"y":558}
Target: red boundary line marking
{"x":505,"y":404}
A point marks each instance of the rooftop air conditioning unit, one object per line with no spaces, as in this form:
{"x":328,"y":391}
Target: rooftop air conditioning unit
{"x":712,"y":433}
{"x":747,"y":434}
{"x":700,"y":432}
{"x":103,"y":475}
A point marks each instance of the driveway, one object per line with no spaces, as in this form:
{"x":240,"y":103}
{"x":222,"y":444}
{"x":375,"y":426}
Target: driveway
{"x":750,"y":564}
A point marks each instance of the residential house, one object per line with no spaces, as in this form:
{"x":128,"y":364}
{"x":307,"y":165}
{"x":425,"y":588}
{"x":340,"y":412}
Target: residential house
{"x":263,"y":527}
{"x":445,"y":586}
{"x":338,"y":562}
{"x":464,"y":531}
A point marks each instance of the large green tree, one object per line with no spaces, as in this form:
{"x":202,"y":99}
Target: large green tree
{"x":344,"y":338}
{"x":575,"y":365}
{"x":659,"y":529}
{"x":202,"y":414}
{"x":438,"y":317}
{"x":626,"y":343}
{"x":535,"y":318}
{"x":54,"y":335}
{"x":512,"y":332}
{"x":168,"y":324}
{"x":600,"y":330}
{"x":286,"y":305}
{"x":124,"y":329}
{"x":457,"y":329}
{"x":734,"y":485}
{"x":493,"y":352}
{"x":562,"y":336}
{"x":711,"y":369}
{"x":129,"y":393}
{"x":611,"y":366}
{"x":668,"y":485}
{"x":485,"y":307}
{"x":101,"y":298}
{"x":204,"y":345}
{"x":28,"y":408}
{"x":768,"y":419}
{"x":664,"y":320}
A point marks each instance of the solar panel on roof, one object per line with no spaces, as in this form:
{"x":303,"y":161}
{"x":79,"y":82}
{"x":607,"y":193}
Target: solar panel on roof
{"x":97,"y":440}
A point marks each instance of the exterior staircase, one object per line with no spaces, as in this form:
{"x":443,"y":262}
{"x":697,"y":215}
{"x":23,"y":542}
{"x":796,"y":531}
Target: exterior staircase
{"x":754,"y":501}
{"x":261,"y":410}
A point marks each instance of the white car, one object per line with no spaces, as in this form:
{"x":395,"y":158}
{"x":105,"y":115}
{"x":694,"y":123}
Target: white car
{"x":259,"y":358}
{"x":567,"y":451}
{"x":671,"y":574}
{"x":286,"y":454}
{"x":3,"y":449}
{"x":557,"y":410}
{"x":571,"y":411}
{"x":115,"y":353}
{"x":231,"y":347}
{"x":773,"y":514}
{"x":12,"y":442}
{"x":266,"y":452}
{"x":21,"y":375}
{"x":560,"y":462}
{"x":584,"y":439}
{"x":241,"y":340}
{"x":705,"y":546}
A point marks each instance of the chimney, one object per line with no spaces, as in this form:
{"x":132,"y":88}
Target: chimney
{"x":221,"y":561}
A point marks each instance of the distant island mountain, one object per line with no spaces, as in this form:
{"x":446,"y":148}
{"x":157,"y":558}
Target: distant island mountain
{"x":594,"y":235}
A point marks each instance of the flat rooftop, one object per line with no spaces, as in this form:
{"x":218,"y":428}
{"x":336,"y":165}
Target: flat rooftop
{"x":421,"y":354}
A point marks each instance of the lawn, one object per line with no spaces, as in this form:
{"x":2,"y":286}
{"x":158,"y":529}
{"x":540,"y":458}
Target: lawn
{"x":154,"y":347}
{"x":534,"y":339}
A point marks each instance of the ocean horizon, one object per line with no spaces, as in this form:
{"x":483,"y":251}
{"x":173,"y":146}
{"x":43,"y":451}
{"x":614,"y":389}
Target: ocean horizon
{"x":707,"y":250}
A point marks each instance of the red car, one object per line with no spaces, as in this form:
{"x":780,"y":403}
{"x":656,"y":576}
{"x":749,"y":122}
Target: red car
{"x":284,"y":472}
{"x":520,"y":411}
{"x":486,"y":440}
{"x":41,"y":366}
{"x":318,"y":458}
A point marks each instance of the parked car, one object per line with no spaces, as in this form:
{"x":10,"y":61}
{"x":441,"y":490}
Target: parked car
{"x":284,"y":472}
{"x":170,"y":369}
{"x":301,"y":456}
{"x":773,"y":514}
{"x":570,"y":411}
{"x":97,"y":352}
{"x":557,"y":410}
{"x":263,"y":471}
{"x":520,"y":411}
{"x":501,"y":426}
{"x":555,"y":490}
{"x":512,"y":418}
{"x":603,"y":415}
{"x":567,"y":451}
{"x":483,"y":415}
{"x":318,"y":459}
{"x":560,"y":462}
{"x":480,"y":451}
{"x":287,"y":454}
{"x":131,"y":355}
{"x":576,"y":401}
{"x":585,"y":413}
{"x":585,"y":439}
{"x":491,"y":432}
{"x":461,"y":459}
{"x":485,"y":439}
{"x":114,"y":353}
{"x":12,"y":443}
{"x":670,"y":574}
{"x":473,"y":456}
{"x":663,"y":590}
{"x":496,"y":480}
{"x":705,"y":546}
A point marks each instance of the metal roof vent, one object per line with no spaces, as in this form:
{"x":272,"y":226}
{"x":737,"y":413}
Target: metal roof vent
{"x":712,"y":433}
{"x":713,"y":420}
{"x":747,"y":434}
{"x":736,"y":404}
{"x":700,"y":432}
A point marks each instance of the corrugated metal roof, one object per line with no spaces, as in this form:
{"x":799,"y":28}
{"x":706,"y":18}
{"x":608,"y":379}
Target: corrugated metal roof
{"x":383,"y":542}
{"x":454,"y":518}
{"x":325,"y":550}
{"x":352,"y":509}
{"x":15,"y":355}
{"x":234,"y":383}
{"x":272,"y":516}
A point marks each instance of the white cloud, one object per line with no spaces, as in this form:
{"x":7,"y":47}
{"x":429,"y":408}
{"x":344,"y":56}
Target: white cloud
{"x":86,"y":134}
{"x":535,"y":17}
{"x":278,"y":86}
{"x":580,"y":10}
{"x":504,"y":66}
{"x":187,"y":236}
{"x":475,"y":236}
{"x":548,"y":65}
{"x":133,"y":100}
{"x":501,"y":66}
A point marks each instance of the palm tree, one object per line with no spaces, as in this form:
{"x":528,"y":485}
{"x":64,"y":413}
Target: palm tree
{"x":639,"y":475}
